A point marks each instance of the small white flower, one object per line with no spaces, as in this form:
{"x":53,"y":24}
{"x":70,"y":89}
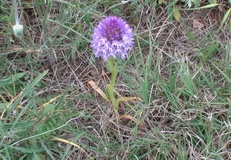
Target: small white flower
{"x":18,"y":30}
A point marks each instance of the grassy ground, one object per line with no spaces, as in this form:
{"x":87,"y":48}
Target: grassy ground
{"x":179,"y":68}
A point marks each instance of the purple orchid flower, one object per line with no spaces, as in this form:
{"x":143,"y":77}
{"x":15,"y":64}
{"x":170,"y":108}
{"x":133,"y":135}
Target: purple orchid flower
{"x":112,"y":37}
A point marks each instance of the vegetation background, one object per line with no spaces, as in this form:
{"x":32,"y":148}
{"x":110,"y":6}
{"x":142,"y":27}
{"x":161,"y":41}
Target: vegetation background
{"x":179,"y":69}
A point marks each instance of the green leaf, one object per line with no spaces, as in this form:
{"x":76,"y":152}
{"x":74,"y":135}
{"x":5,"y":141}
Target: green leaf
{"x":25,"y":150}
{"x":225,"y":18}
{"x":87,"y":19}
{"x":24,"y":93}
{"x":4,"y":106}
{"x":10,"y":80}
{"x":207,"y":6}
{"x":48,"y":108}
{"x":170,"y":11}
{"x":223,"y":73}
{"x":18,"y":124}
{"x":47,"y":150}
{"x":160,"y":2}
{"x":176,"y":14}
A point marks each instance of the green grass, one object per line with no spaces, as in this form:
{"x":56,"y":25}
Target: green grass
{"x":180,"y":72}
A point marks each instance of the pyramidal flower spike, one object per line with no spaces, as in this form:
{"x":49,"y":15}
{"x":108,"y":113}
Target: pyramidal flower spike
{"x":112,"y":37}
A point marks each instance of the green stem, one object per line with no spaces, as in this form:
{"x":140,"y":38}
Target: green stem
{"x":113,"y":69}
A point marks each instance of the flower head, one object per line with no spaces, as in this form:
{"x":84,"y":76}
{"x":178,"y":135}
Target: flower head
{"x":112,"y":37}
{"x":18,"y":30}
